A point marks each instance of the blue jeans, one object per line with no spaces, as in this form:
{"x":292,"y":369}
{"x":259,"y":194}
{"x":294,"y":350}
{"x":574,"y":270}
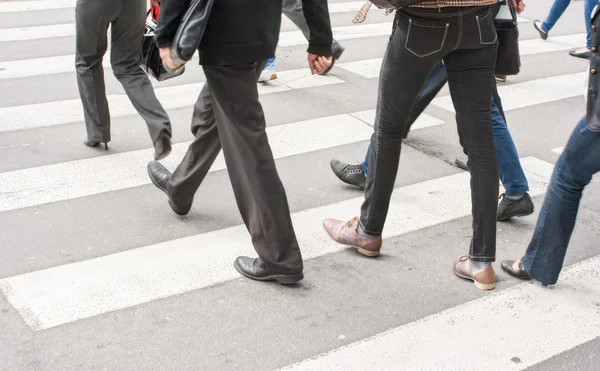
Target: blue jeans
{"x":511,"y":173}
{"x":559,"y":7}
{"x":574,"y":169}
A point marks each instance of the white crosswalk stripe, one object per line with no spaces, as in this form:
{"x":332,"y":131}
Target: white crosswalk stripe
{"x":52,"y":196}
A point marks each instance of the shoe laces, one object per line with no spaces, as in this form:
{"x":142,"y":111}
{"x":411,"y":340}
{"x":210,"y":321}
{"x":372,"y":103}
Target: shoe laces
{"x":350,"y":223}
{"x":353,"y":169}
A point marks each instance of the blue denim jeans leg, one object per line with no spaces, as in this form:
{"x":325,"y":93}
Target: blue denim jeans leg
{"x":574,"y":169}
{"x":509,"y":166}
{"x":559,"y":7}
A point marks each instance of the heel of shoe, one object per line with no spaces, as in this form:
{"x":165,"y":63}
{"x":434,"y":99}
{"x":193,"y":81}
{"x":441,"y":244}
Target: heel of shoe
{"x":485,"y":286}
{"x":368,"y":253}
{"x":289,"y":279}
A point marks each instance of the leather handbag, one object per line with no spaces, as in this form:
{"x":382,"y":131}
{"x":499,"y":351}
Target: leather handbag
{"x":190,"y":31}
{"x":508,"y":60}
{"x":151,"y":62}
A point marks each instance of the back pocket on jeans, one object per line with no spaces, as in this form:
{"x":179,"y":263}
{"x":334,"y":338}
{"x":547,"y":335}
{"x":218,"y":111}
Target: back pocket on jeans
{"x":486,"y":29}
{"x":425,"y":39}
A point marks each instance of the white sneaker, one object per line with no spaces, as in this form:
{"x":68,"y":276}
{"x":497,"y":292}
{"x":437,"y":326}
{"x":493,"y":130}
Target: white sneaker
{"x":267,"y":75}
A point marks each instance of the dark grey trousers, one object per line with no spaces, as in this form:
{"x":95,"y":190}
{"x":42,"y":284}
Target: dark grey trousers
{"x":228,"y":115}
{"x":127,"y":19}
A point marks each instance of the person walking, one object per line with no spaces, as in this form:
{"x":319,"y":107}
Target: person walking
{"x":577,"y":164}
{"x":127,"y":19}
{"x":240,"y":36}
{"x":462,"y":34}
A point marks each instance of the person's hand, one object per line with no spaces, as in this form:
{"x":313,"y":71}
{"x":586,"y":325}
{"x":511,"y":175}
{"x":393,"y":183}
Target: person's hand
{"x":519,"y":6}
{"x":165,"y":55}
{"x":318,"y":64}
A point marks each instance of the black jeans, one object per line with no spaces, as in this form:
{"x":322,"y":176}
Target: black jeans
{"x":465,"y":39}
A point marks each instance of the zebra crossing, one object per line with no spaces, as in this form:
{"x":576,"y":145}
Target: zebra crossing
{"x":97,"y":273}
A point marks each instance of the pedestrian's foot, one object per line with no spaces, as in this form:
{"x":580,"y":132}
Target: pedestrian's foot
{"x":160,"y":177}
{"x":515,"y":269}
{"x":482,"y":274}
{"x":537,"y":24}
{"x":94,"y":144}
{"x":462,"y":162}
{"x":257,"y":270}
{"x":162,"y":146}
{"x":346,"y":233}
{"x":349,"y":174}
{"x":511,"y":207}
{"x":337,"y":52}
{"x":500,"y":78}
{"x":267,"y":75}
{"x":584,"y":53}
{"x":362,"y":13}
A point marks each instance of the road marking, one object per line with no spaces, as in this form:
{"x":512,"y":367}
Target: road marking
{"x":512,"y":329}
{"x":80,"y":178}
{"x":533,"y":92}
{"x":423,"y":121}
{"x":69,"y":111}
{"x":67,"y":293}
{"x":370,"y":68}
{"x":24,"y":6}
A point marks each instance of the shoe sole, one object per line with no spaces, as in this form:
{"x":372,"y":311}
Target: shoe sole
{"x":516,"y":216}
{"x":162,"y":155}
{"x":479,"y":285}
{"x":365,"y":252}
{"x":282,"y":279}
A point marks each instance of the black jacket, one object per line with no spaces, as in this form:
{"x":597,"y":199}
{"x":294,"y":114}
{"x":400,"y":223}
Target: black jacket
{"x":245,"y":31}
{"x":593,"y":101}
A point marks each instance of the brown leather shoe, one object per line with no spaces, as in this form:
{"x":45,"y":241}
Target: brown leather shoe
{"x":346,"y":233}
{"x":484,"y":279}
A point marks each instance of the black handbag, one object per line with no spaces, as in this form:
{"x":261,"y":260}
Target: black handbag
{"x":191,"y":30}
{"x":508,"y":60}
{"x":151,"y":62}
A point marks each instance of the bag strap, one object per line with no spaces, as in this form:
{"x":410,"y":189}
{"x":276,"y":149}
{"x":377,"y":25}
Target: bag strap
{"x":513,"y":11}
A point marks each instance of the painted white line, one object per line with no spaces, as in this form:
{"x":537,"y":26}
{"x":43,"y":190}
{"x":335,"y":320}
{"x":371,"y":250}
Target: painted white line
{"x":501,"y":327}
{"x":36,"y":32}
{"x":370,"y":68}
{"x":423,"y":121}
{"x":24,"y":6}
{"x":68,"y":180}
{"x":530,"y":93}
{"x":558,"y":150}
{"x":67,"y":293}
{"x":175,"y":97}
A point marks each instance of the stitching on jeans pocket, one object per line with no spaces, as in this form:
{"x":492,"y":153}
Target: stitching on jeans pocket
{"x":479,"y":19}
{"x":412,"y":24}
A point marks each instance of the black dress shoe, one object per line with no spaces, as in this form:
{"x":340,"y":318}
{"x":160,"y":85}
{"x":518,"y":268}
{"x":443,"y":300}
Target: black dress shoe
{"x":160,"y":176}
{"x":349,"y":174}
{"x":256,"y":270}
{"x":584,"y":55}
{"x":94,"y":144}
{"x":336,"y":54}
{"x":162,"y":146}
{"x":514,"y":208}
{"x":461,"y":162}
{"x":507,"y":266}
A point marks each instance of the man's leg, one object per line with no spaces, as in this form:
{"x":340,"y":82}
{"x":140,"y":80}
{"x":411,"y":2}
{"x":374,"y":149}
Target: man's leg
{"x":356,"y":175}
{"x":91,"y":22}
{"x":574,"y":169}
{"x":127,"y":33}
{"x":258,"y":190}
